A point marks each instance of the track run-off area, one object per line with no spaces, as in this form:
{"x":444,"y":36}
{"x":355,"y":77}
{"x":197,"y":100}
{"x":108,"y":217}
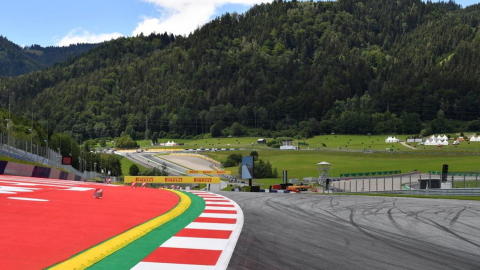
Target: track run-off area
{"x":312,"y":231}
{"x":58,"y":224}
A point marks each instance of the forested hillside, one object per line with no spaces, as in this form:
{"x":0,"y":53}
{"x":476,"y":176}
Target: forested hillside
{"x":15,"y":61}
{"x":51,"y":55}
{"x":280,"y":69}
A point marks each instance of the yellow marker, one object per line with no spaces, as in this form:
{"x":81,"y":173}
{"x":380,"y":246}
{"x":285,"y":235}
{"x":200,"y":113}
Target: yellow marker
{"x":100,"y":252}
{"x":172,"y":179}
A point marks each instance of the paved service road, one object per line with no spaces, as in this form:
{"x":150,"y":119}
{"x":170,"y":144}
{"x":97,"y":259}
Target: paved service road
{"x":303,"y":231}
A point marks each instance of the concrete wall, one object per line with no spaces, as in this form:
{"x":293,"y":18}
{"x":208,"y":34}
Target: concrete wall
{"x":12,"y":168}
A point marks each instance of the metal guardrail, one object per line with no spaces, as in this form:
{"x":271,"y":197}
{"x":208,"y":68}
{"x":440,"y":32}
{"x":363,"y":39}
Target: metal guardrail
{"x":440,"y":192}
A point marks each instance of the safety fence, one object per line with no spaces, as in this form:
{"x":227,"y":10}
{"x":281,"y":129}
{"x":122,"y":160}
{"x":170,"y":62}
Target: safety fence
{"x":30,"y":152}
{"x":370,"y":173}
{"x":412,"y":181}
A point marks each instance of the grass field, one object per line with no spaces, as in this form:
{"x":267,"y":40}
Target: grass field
{"x":241,"y":142}
{"x":467,"y":184}
{"x":354,"y":142}
{"x":126,"y":163}
{"x":303,"y":163}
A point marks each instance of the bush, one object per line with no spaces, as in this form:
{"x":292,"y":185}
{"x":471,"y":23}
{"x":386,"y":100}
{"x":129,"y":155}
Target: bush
{"x":229,"y":163}
{"x":133,"y":171}
{"x":236,"y":157}
{"x":125,"y":142}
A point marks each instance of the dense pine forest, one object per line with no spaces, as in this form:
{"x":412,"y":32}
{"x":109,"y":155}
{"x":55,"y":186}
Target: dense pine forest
{"x":15,"y":61}
{"x":281,"y":69}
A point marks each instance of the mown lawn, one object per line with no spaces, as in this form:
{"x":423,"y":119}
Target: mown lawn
{"x":126,"y":163}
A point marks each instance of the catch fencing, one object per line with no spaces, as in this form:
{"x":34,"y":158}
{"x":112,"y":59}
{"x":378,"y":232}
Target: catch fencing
{"x":30,"y":152}
{"x":404,"y":182}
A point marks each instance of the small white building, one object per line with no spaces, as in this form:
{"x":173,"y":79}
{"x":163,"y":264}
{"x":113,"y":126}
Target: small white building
{"x":288,"y":145}
{"x":170,"y":143}
{"x":475,"y":139}
{"x":392,"y":140}
{"x":437,"y":140}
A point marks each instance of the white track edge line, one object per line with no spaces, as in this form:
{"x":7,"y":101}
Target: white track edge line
{"x":226,"y":255}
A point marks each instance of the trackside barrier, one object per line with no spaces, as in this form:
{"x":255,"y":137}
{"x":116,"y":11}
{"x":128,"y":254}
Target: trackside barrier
{"x":196,"y":155}
{"x":12,"y":168}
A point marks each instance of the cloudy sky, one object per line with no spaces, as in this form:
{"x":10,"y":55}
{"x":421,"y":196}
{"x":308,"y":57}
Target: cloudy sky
{"x":63,"y":22}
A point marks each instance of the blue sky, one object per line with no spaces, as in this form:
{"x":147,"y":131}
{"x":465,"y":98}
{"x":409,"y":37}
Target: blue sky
{"x":62,"y":22}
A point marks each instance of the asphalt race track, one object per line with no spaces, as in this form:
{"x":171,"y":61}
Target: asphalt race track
{"x":302,"y":231}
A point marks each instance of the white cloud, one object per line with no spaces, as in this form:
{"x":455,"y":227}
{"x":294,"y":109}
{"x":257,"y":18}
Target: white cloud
{"x":183,"y":16}
{"x":78,"y":35}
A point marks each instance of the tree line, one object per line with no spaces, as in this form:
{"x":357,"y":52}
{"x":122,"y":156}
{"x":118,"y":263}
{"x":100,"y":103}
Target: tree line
{"x":281,"y":69}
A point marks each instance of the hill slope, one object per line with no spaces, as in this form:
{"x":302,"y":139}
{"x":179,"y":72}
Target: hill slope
{"x":287,"y":67}
{"x":15,"y":61}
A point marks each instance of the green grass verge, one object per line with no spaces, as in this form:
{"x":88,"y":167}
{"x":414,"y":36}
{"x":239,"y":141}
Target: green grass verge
{"x":126,"y":163}
{"x":301,"y":164}
{"x":467,"y":184}
{"x":234,"y":142}
{"x":355,"y":142}
{"x":470,"y":198}
{"x":129,"y":256}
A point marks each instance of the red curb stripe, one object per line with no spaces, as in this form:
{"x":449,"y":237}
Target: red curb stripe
{"x":220,"y":205}
{"x":207,"y":200}
{"x":184,"y":256}
{"x":204,"y":233}
{"x":220,"y":211}
{"x":216,"y":220}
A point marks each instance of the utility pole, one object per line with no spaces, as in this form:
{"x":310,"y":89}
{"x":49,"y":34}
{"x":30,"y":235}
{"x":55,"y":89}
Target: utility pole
{"x":8,"y":120}
{"x":146,"y":127}
{"x":31,"y":132}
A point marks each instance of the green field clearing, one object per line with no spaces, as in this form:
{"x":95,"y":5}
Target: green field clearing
{"x":301,"y":164}
{"x":126,"y":163}
{"x":241,"y":142}
{"x":467,"y":184}
{"x":353,"y":142}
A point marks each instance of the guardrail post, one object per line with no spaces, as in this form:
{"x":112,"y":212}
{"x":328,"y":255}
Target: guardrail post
{"x":376,"y":184}
{"x":344,"y":186}
{"x":384,"y":188}
{"x":369,"y":184}
{"x":453,"y":181}
{"x":351,"y":185}
{"x":392,"y":182}
{"x":410,"y":182}
{"x":464,"y":182}
{"x":476,"y":178}
{"x":356,"y":184}
{"x":363,"y":184}
{"x":400,"y":182}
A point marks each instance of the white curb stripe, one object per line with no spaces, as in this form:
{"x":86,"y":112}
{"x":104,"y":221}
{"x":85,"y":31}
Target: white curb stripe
{"x":224,"y":259}
{"x":219,"y":208}
{"x":216,"y":215}
{"x":195,"y":243}
{"x":211,"y":226}
{"x":170,"y":266}
{"x":226,"y":246}
{"x":211,"y":203}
